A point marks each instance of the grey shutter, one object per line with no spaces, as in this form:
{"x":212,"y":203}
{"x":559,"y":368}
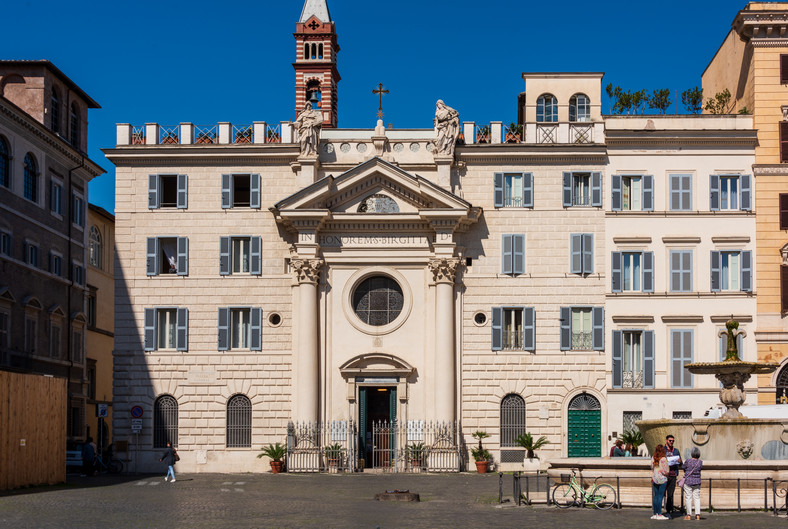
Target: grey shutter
{"x":183,"y":191}
{"x":256,"y":321}
{"x":224,"y":329}
{"x":596,"y":189}
{"x":616,"y":272}
{"x":528,"y":190}
{"x":598,"y":324}
{"x":255,"y":254}
{"x":150,"y":329}
{"x":714,"y":192}
{"x":254,"y":191}
{"x":588,"y":253}
{"x":567,"y":189}
{"x":182,"y":330}
{"x":746,"y":271}
{"x":675,"y":272}
{"x":648,"y":359}
{"x":153,"y":191}
{"x":648,"y":192}
{"x":566,"y":328}
{"x":518,"y":254}
{"x":224,"y":256}
{"x":498,"y":193}
{"x":506,"y":256}
{"x":576,"y":253}
{"x":183,"y":256}
{"x":615,"y":199}
{"x":723,"y":343}
{"x":648,"y":271}
{"x":716,"y":275}
{"x":227,"y":191}
{"x":675,"y":192}
{"x":497,"y":328}
{"x":618,"y":353}
{"x":529,"y":328}
{"x":676,"y":356}
{"x":152,"y":256}
{"x":746,"y":192}
{"x":686,"y":258}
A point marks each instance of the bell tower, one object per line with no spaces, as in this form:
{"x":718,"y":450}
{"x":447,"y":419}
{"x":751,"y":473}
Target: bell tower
{"x":316,"y":61}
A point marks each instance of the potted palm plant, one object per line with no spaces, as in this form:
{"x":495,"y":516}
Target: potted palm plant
{"x":276,"y":453}
{"x":531,"y":445}
{"x":514,"y":133}
{"x":632,"y":437}
{"x":480,"y":455}
{"x":415,"y":453}
{"x":334,"y":454}
{"x":483,"y":134}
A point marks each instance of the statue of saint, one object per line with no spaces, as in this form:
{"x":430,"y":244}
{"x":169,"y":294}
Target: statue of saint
{"x":447,"y":124}
{"x":309,"y":123}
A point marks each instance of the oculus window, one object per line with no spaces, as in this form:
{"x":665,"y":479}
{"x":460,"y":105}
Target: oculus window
{"x":378,"y":300}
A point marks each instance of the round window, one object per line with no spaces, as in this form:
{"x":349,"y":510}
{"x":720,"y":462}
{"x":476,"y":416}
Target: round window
{"x":274,"y":319}
{"x":480,"y":318}
{"x":378,"y":300}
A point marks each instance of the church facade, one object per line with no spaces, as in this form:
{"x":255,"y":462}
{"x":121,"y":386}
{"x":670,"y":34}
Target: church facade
{"x":550,"y":278}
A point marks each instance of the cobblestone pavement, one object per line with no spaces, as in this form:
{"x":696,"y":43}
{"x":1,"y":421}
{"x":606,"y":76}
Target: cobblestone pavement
{"x":319,"y":501}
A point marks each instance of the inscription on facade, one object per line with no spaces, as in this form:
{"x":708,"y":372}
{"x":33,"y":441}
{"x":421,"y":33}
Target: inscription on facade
{"x":373,"y":240}
{"x":198,"y":378}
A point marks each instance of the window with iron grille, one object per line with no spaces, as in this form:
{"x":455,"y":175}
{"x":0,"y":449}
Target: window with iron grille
{"x":512,"y":420}
{"x":239,"y":422}
{"x":629,"y":420}
{"x":682,"y":415}
{"x":165,"y":421}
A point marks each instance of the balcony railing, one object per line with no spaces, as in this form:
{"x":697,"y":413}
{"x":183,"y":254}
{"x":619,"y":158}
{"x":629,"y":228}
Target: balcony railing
{"x":169,"y":135}
{"x":581,"y":133}
{"x":138,"y":136}
{"x":243,"y":134}
{"x":582,"y":341}
{"x":632,"y":379}
{"x":223,"y":133}
{"x":547,"y":134}
{"x":205,"y":135}
{"x":513,"y":339}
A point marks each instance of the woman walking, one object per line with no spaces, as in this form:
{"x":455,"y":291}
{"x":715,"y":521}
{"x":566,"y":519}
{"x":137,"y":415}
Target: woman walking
{"x":659,"y":481}
{"x":691,"y":487}
{"x":168,"y":457}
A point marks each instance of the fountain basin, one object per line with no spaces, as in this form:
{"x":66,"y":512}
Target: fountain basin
{"x":721,"y":439}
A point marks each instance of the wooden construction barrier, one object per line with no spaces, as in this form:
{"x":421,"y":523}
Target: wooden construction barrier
{"x":32,"y":430}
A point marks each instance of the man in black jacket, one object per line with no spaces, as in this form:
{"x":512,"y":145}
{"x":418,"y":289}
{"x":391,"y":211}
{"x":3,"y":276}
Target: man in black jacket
{"x":168,"y":457}
{"x":674,"y":462}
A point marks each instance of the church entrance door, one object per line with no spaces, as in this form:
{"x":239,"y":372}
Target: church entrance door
{"x":377,"y":414}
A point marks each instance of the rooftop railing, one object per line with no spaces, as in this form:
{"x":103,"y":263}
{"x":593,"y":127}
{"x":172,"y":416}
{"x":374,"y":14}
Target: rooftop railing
{"x":220,"y":134}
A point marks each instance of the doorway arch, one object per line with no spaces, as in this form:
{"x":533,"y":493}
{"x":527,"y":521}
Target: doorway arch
{"x":585,"y":426}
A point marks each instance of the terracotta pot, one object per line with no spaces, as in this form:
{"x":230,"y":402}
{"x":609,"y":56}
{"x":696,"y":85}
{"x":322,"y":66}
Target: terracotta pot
{"x":276,"y":467}
{"x":481,"y":466}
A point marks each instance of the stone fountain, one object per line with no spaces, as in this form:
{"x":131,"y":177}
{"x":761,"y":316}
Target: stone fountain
{"x":732,"y":436}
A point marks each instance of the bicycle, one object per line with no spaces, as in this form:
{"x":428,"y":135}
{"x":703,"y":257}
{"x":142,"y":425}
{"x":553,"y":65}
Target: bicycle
{"x":566,"y":495}
{"x":113,"y":466}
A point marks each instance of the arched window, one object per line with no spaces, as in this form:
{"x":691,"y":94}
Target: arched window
{"x":782,"y":386}
{"x":313,"y":93}
{"x":75,"y":129}
{"x":306,"y":50}
{"x":239,"y":422}
{"x":55,"y":110}
{"x":546,"y":109}
{"x":319,"y":51}
{"x":579,"y":108}
{"x":5,"y":164}
{"x":512,"y":419}
{"x":95,"y":247}
{"x":31,"y":178}
{"x":165,"y":421}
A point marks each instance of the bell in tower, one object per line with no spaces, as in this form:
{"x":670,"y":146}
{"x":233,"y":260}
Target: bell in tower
{"x":316,"y":71}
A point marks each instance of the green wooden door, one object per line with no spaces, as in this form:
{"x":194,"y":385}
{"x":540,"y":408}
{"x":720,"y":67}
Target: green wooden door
{"x":585,"y":433}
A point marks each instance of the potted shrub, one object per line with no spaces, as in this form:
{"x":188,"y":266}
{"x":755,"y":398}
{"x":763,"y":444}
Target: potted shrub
{"x":483,"y":134}
{"x":275,"y":452}
{"x":531,"y":445}
{"x":206,"y":137}
{"x":514,"y":133}
{"x":480,"y":454}
{"x":243,"y":135}
{"x":272,"y":136}
{"x":334,"y":454}
{"x":632,"y":437}
{"x":415,"y":454}
{"x":169,"y":138}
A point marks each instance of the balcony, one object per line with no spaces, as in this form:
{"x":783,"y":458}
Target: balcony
{"x":574,"y":133}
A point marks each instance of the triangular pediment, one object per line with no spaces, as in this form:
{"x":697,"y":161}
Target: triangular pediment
{"x":376,"y":177}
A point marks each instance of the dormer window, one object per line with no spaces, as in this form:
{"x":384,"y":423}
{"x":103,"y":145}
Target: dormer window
{"x":546,"y":109}
{"x":378,"y":204}
{"x":579,"y":108}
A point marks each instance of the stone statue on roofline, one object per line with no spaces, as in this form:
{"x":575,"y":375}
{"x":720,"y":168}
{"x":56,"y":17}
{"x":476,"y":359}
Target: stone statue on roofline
{"x":447,"y":126}
{"x":308,"y":123}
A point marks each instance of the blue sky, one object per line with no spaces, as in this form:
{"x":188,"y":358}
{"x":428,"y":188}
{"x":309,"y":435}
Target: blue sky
{"x":206,"y":61}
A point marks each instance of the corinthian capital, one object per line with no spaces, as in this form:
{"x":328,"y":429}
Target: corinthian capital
{"x":444,"y":270}
{"x":307,"y":270}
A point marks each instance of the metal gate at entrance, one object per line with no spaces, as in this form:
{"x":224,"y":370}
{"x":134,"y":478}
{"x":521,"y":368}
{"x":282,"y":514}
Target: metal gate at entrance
{"x":585,"y":426}
{"x":377,"y":410}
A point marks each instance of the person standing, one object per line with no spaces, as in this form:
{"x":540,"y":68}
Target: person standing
{"x":168,"y":457}
{"x":692,"y":470}
{"x":674,"y":463}
{"x":618,"y":449}
{"x":88,"y":457}
{"x":659,"y":480}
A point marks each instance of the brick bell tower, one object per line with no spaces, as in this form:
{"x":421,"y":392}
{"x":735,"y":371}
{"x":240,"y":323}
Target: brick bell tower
{"x":316,"y":61}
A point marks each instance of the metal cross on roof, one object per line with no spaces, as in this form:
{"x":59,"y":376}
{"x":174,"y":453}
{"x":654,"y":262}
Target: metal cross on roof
{"x":380,"y":91}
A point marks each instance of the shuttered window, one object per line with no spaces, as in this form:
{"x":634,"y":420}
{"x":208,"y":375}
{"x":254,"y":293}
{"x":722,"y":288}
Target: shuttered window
{"x":513,"y":254}
{"x":513,"y":328}
{"x":681,"y":271}
{"x":681,"y":353}
{"x":783,"y":69}
{"x":582,"y":328}
{"x":784,"y":211}
{"x":582,"y":253}
{"x":166,"y":328}
{"x":783,"y":141}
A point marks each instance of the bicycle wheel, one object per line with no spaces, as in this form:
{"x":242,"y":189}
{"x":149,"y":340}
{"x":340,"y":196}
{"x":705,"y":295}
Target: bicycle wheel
{"x":604,"y":497}
{"x":564,"y":495}
{"x":115,"y":466}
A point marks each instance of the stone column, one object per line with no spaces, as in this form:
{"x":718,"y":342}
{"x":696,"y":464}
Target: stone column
{"x":444,"y":271}
{"x":306,"y":376}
